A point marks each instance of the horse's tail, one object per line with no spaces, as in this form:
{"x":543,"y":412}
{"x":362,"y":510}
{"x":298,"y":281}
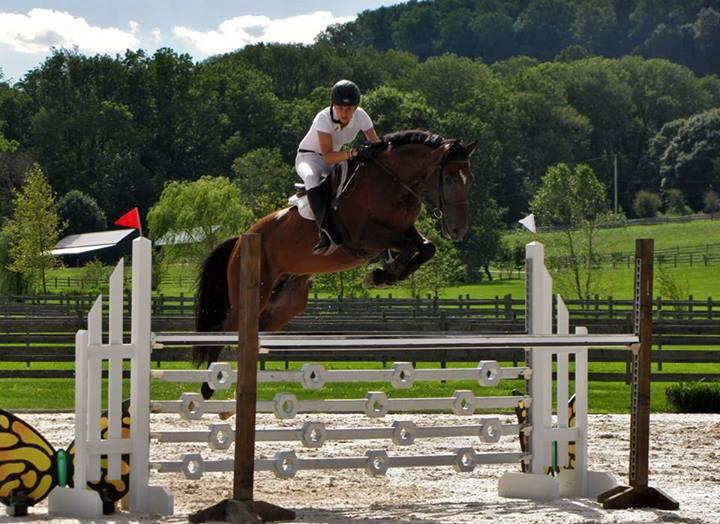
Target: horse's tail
{"x":212,"y":301}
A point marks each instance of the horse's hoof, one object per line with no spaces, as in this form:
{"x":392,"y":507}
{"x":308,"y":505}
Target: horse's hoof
{"x":376,"y":279}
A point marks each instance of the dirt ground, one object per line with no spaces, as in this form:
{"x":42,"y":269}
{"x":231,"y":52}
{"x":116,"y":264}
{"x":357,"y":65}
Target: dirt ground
{"x":684,"y":461}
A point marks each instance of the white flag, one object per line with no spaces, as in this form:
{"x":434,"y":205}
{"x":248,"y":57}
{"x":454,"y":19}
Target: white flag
{"x":529,"y":223}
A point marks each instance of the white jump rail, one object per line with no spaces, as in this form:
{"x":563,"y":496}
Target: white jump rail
{"x":548,"y":422}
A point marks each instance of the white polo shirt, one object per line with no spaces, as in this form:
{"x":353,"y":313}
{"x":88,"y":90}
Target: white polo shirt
{"x":360,"y":121}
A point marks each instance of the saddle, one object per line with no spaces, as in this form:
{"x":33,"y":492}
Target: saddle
{"x":334,"y":185}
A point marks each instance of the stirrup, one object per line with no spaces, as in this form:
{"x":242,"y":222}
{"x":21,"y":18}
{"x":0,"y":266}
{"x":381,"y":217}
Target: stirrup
{"x":326,"y":245}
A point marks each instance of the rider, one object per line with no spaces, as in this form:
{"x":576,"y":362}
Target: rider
{"x":332,"y":128}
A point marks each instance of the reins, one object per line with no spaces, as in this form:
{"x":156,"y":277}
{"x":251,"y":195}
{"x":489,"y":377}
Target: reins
{"x":437,"y":212}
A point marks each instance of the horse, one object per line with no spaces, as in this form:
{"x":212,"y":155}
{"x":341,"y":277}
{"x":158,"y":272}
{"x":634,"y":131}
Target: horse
{"x":376,"y":214}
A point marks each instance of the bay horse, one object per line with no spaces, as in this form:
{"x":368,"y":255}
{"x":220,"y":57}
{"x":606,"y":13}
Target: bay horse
{"x":376,"y":214}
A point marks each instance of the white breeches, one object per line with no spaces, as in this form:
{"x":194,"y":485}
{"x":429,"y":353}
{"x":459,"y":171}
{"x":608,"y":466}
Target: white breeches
{"x":312,"y":168}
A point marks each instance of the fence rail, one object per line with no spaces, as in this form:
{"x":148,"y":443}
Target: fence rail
{"x":383,"y":308}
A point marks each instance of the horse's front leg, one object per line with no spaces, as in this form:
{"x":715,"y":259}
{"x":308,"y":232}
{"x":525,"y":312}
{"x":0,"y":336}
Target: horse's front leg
{"x":405,"y":263}
{"x":425,"y":251}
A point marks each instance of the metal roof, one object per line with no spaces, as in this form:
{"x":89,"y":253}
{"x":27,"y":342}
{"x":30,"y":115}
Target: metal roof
{"x":98,"y":240}
{"x":78,"y":250}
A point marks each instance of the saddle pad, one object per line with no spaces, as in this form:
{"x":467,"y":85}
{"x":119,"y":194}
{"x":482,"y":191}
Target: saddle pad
{"x":340,"y":171}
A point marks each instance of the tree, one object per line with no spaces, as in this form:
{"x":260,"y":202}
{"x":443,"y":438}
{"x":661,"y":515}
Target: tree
{"x":545,"y":27}
{"x":34,"y":229}
{"x":10,"y":282}
{"x":575,"y":201}
{"x":199,"y":214}
{"x":265,"y":181}
{"x":13,"y":166}
{"x":81,"y":213}
{"x":686,"y":152}
{"x":483,"y":242}
{"x":394,"y":110}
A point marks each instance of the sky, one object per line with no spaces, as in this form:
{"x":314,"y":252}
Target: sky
{"x":201,"y":28}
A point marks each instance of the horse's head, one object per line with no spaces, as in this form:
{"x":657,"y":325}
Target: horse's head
{"x":448,"y":185}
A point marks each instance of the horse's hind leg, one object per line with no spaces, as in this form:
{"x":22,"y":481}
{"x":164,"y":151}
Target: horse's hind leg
{"x":287,"y":300}
{"x":231,"y":320}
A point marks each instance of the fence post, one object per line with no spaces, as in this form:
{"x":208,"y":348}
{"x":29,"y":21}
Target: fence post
{"x":709,"y":308}
{"x":242,"y":507}
{"x":639,"y":494}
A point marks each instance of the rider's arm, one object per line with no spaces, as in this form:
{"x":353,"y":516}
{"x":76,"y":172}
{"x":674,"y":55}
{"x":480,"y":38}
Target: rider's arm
{"x":330,"y":156}
{"x":371,"y":135}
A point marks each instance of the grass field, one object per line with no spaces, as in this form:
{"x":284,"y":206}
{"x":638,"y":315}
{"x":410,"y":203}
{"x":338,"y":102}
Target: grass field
{"x":700,"y":281}
{"x":605,"y":397}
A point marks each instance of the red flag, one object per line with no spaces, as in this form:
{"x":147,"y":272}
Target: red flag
{"x":130,"y":219}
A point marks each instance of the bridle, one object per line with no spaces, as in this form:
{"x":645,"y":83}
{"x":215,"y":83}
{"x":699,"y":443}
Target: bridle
{"x":436,"y":211}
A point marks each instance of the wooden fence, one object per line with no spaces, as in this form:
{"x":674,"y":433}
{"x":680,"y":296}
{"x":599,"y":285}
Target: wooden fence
{"x":506,"y":307}
{"x":35,"y":330}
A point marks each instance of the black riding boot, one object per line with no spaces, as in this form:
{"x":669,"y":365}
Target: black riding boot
{"x":316,"y":198}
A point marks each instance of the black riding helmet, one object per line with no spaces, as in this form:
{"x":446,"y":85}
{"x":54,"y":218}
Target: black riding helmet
{"x":345,"y":93}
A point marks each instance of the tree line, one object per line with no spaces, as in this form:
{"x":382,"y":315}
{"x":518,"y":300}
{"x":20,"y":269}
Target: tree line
{"x":683,"y":31}
{"x":119,"y":128}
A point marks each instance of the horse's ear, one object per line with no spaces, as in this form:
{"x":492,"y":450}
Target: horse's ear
{"x":439,"y":153}
{"x":471,"y":147}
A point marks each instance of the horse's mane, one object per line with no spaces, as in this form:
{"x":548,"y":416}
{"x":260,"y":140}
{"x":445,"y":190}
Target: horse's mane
{"x":419,"y":136}
{"x":413,"y":136}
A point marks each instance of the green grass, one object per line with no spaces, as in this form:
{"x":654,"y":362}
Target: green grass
{"x":604,"y":397}
{"x":702,"y":281}
{"x":610,"y":240}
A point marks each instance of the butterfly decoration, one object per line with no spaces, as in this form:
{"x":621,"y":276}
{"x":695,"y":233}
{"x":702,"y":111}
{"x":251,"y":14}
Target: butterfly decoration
{"x":521,"y":412}
{"x":30,"y":467}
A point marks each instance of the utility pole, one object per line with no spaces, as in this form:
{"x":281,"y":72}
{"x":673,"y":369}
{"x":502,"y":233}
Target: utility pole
{"x":615,"y":182}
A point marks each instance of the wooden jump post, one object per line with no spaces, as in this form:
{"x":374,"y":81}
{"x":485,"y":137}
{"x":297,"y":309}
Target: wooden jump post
{"x":243,"y":507}
{"x":639,"y":494}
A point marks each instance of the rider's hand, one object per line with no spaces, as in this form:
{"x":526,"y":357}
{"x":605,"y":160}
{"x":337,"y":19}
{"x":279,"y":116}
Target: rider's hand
{"x":363,"y":153}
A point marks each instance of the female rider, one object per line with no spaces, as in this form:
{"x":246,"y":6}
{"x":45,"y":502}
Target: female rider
{"x":332,"y":128}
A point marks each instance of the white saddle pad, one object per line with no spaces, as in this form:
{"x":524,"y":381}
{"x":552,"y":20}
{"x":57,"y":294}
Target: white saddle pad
{"x":302,"y":204}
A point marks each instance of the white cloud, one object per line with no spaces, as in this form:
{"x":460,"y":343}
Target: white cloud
{"x":247,"y":29}
{"x":40,"y":29}
{"x":156,"y":36}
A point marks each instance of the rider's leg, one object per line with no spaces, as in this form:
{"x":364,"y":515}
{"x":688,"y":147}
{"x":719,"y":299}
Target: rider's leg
{"x":311,"y":168}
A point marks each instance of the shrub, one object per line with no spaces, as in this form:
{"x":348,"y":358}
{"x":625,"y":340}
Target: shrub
{"x":95,"y":276}
{"x":646,"y":203}
{"x":711,"y":201}
{"x":694,"y":397}
{"x":81,"y":212}
{"x":676,"y":204}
